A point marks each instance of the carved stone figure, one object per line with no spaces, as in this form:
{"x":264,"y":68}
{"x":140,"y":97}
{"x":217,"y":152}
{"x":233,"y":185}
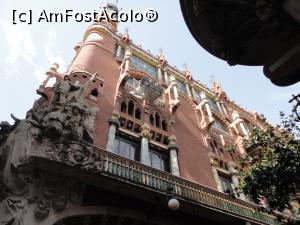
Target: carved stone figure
{"x":59,"y":128}
{"x":61,"y":90}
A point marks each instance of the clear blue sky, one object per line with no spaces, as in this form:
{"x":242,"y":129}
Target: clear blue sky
{"x":27,"y":51}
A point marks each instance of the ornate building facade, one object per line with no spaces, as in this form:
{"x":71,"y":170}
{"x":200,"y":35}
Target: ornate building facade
{"x":122,"y":137}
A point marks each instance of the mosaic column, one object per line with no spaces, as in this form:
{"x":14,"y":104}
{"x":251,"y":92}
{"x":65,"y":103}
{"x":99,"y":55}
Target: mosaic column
{"x":194,"y":92}
{"x":174,"y":86}
{"x":219,"y":106}
{"x":159,"y":73}
{"x":113,"y":125}
{"x":127,"y":59}
{"x":214,"y":163}
{"x":119,"y":49}
{"x":235,"y":180}
{"x":188,"y":90}
{"x":166,"y":76}
{"x":173,"y":148}
{"x":145,"y":137}
{"x":243,"y":128}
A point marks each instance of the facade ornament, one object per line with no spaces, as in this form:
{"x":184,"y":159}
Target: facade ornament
{"x":213,"y":160}
{"x":238,"y":124}
{"x":114,"y":124}
{"x":172,"y":143}
{"x":205,"y":110}
{"x":52,"y":73}
{"x":161,"y":58}
{"x":145,"y":131}
{"x":187,"y":73}
{"x":114,"y":120}
{"x":125,"y":37}
{"x":173,"y":101}
{"x":218,"y":90}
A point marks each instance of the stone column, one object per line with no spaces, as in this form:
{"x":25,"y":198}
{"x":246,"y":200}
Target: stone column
{"x":188,"y":90}
{"x":113,"y":125}
{"x":173,"y":148}
{"x":213,"y":162}
{"x":159,"y":73}
{"x":243,"y":128}
{"x":194,"y":92}
{"x":219,"y":107}
{"x":127,"y":59}
{"x":174,"y":86}
{"x":145,"y":137}
{"x":119,"y":48}
{"x":235,"y":180}
{"x":167,"y":81}
{"x":224,"y":109}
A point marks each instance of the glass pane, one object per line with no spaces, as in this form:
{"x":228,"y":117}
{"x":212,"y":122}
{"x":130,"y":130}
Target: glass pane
{"x":143,"y":66}
{"x":124,"y":149}
{"x":165,"y":164}
{"x":132,"y":152}
{"x":155,"y":161}
{"x":116,"y":146}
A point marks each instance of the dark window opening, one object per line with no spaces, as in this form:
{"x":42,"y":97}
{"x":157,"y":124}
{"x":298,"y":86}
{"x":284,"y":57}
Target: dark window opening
{"x":123,"y":107}
{"x":166,"y":140}
{"x":94,"y":93}
{"x":84,"y":76}
{"x":129,"y":125}
{"x":226,"y":184}
{"x":130,"y":108}
{"x":122,"y":121}
{"x":157,"y":120}
{"x":137,"y":128}
{"x":158,"y":137}
{"x":137,"y":114}
{"x":151,"y":119}
{"x":164,"y":125}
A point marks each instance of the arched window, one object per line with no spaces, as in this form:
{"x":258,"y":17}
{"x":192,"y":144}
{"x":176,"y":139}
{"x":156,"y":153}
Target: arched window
{"x":123,"y":107}
{"x":164,"y":125}
{"x":94,"y":93}
{"x":151,"y":119}
{"x":137,"y":114}
{"x":130,"y":108}
{"x":157,"y":120}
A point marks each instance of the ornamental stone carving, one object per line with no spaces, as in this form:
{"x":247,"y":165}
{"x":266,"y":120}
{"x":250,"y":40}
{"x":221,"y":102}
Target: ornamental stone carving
{"x":145,"y":131}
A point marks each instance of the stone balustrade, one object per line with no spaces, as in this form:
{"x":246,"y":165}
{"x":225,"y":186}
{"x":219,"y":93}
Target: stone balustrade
{"x":108,"y":164}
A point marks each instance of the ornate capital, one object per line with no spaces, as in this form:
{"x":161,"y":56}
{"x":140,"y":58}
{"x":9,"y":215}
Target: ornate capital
{"x":232,"y":168}
{"x":114,"y":120}
{"x":213,"y":159}
{"x":145,"y":131}
{"x":172,"y":143}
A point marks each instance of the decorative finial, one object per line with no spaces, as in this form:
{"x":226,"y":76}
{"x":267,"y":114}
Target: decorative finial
{"x":162,"y":60}
{"x":125,"y":36}
{"x":187,"y":73}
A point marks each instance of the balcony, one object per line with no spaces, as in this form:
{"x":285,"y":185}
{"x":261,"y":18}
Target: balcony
{"x":100,"y":164}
